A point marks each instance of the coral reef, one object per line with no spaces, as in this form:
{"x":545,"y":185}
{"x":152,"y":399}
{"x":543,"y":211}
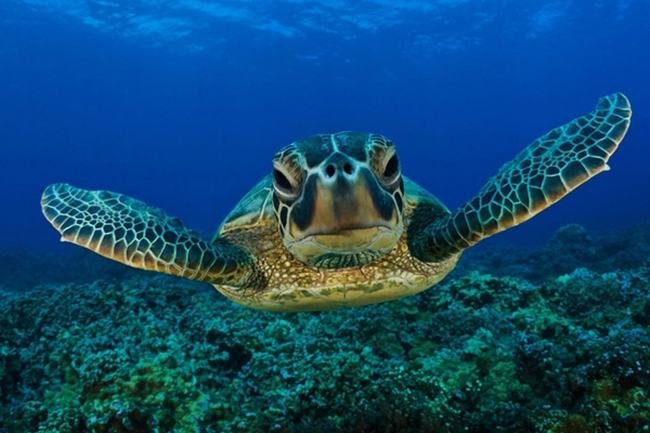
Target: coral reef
{"x":22,"y":270}
{"x":571,"y":247}
{"x":478,"y":353}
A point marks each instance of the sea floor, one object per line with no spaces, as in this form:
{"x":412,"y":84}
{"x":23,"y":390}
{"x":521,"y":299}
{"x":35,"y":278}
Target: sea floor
{"x":550,"y":340}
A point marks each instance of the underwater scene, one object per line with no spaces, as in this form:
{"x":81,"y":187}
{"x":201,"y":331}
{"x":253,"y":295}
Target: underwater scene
{"x":325,"y":216}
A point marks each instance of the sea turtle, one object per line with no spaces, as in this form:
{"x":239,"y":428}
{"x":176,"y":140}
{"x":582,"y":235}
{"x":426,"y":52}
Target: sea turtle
{"x":336,"y":223}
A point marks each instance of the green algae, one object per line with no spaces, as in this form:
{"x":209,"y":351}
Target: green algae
{"x":477,"y":353}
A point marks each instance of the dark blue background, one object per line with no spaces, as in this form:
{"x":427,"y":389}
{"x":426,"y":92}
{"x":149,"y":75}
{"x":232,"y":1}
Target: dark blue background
{"x":190,"y":123}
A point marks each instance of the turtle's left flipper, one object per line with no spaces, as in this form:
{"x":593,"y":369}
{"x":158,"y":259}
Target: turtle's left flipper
{"x":540,"y":175}
{"x":128,"y":231}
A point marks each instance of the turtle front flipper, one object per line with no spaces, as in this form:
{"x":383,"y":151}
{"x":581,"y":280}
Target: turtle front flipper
{"x":128,"y":231}
{"x":539,"y":176}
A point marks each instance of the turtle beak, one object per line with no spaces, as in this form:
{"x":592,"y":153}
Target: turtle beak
{"x":343,"y":206}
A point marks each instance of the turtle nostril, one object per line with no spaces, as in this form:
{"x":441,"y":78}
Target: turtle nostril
{"x":347,"y":167}
{"x":330,"y":170}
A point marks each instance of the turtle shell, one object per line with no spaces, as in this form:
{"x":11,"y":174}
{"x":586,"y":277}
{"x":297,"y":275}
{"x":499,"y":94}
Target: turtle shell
{"x":253,"y":207}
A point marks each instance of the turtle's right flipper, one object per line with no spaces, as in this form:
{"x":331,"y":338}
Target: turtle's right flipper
{"x":128,"y":231}
{"x":543,"y":173}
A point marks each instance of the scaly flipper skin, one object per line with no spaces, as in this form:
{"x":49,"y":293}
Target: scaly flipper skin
{"x":542,"y":174}
{"x":128,"y":231}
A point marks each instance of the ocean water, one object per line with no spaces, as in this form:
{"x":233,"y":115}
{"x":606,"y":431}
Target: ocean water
{"x":182,"y":104}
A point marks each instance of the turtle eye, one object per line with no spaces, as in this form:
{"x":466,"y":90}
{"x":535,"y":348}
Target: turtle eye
{"x":282,"y":182}
{"x":391,"y":170}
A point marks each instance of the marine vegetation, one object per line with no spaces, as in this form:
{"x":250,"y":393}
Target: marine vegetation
{"x":478,"y":353}
{"x":336,"y":224}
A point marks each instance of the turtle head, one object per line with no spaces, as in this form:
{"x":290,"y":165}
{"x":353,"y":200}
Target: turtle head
{"x":339,"y":198}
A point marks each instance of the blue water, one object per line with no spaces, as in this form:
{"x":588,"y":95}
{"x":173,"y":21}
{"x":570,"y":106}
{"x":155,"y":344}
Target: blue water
{"x":182,"y":104}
